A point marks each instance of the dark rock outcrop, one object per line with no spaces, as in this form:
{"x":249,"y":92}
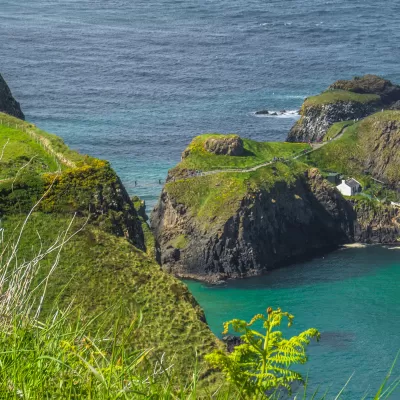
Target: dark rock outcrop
{"x":378,"y":223}
{"x":231,"y":342}
{"x":370,"y":84}
{"x":229,"y":145}
{"x":269,"y":229}
{"x":8,"y":104}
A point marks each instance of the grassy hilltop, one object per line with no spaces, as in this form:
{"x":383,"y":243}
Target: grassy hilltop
{"x":217,"y":196}
{"x":368,"y":149}
{"x":105,"y":267}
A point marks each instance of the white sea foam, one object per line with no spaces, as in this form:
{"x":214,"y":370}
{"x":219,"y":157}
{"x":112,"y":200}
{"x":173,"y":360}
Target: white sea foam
{"x":279,"y":114}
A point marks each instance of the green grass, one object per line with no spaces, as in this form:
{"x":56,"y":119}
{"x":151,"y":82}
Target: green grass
{"x":58,"y":359}
{"x":256,"y":153}
{"x":360,"y":142}
{"x":20,"y":150}
{"x":217,"y":197}
{"x":335,"y":96}
{"x":22,"y":128}
{"x":99,"y":271}
{"x":336,"y":129}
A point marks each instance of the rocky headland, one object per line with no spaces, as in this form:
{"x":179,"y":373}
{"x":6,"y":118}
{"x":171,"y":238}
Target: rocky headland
{"x":343,"y":100}
{"x":222,"y":215}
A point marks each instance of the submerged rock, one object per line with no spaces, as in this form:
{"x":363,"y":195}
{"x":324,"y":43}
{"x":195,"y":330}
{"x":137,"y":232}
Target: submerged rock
{"x":8,"y":104}
{"x":262,"y":112}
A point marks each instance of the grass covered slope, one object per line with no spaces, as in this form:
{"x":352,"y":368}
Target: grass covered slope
{"x":101,"y":273}
{"x":196,"y":157}
{"x":336,"y":96}
{"x":38,"y":165}
{"x":367,"y":148}
{"x":104,"y":269}
{"x":218,"y":195}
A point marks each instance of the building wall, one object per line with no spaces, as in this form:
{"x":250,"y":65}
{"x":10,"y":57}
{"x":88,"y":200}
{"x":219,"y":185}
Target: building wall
{"x":344,"y":189}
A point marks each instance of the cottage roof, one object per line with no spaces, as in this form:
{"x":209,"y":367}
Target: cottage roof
{"x":352,"y":183}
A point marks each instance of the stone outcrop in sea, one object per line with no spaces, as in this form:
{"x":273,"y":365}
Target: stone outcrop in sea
{"x":8,"y":104}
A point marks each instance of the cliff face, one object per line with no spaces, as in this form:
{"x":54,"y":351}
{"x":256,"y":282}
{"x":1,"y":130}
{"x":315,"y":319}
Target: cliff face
{"x":344,"y":100}
{"x":376,"y":223}
{"x":379,"y":143}
{"x":317,"y":119}
{"x":8,"y":104}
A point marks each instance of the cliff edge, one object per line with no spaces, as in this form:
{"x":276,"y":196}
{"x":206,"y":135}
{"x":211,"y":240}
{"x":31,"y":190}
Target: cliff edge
{"x":8,"y":104}
{"x":344,"y":100}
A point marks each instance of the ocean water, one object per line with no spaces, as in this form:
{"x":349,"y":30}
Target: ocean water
{"x":133,"y":81}
{"x":351,"y":296}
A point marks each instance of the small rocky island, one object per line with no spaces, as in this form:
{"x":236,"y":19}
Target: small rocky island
{"x":8,"y":104}
{"x":234,"y":207}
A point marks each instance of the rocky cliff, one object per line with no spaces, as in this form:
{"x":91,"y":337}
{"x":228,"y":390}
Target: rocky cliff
{"x":344,"y":100}
{"x":268,"y":228}
{"x":231,"y":224}
{"x":8,"y":104}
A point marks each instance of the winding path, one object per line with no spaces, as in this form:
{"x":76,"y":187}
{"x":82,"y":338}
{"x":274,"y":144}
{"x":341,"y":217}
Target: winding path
{"x":315,"y":146}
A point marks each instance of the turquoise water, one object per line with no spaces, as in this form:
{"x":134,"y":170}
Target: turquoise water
{"x":352,"y":296}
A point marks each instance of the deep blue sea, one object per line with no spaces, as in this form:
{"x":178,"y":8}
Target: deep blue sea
{"x":133,"y":81}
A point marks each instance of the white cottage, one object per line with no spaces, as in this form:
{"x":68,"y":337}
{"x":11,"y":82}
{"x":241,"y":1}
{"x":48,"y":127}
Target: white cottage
{"x":349,"y":187}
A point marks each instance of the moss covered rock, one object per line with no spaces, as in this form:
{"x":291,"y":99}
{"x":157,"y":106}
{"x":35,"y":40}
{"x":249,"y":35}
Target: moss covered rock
{"x":231,"y":145}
